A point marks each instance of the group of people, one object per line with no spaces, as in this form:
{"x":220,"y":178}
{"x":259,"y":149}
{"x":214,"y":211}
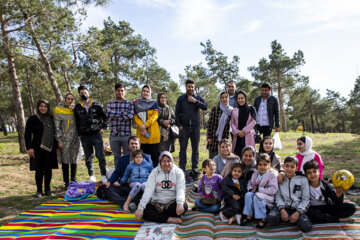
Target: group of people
{"x":253,"y":185}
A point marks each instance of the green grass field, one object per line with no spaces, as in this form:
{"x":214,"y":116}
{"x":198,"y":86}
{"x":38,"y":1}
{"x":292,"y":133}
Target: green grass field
{"x":17,"y":188}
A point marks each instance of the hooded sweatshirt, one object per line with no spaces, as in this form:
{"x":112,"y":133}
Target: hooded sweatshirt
{"x":163,"y":187}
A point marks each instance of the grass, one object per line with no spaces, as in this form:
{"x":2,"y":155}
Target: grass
{"x":338,"y":151}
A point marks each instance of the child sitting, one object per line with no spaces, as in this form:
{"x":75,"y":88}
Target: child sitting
{"x":138,"y":171}
{"x":225,"y":158}
{"x":267,"y":146}
{"x":209,"y":187}
{"x":326,"y":205}
{"x":234,"y":188}
{"x":304,"y":144}
{"x":261,"y":191}
{"x":292,"y":199}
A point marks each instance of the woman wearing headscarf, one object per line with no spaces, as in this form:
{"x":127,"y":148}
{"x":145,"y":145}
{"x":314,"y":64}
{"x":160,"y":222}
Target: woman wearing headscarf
{"x":219,"y":124}
{"x":146,"y":116}
{"x":41,"y":146}
{"x":243,"y":120}
{"x":304,"y":145}
{"x":166,"y":119}
{"x":67,"y":137}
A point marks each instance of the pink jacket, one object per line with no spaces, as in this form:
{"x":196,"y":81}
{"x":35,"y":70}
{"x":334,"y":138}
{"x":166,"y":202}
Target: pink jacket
{"x":268,"y":186}
{"x":248,"y":129}
{"x":317,"y":158}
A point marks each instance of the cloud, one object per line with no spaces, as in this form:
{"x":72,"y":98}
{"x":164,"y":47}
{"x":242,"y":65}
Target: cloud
{"x":156,"y":3}
{"x":251,"y":27}
{"x":95,"y":17}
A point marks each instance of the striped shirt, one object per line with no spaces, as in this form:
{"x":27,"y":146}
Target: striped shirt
{"x":120,"y":115}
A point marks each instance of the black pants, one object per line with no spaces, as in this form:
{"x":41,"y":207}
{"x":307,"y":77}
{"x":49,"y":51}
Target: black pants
{"x":89,"y":142}
{"x":119,"y":194}
{"x":194,"y":135}
{"x":153,"y":215}
{"x":153,"y":151}
{"x":264,"y":130}
{"x":65,"y":171}
{"x":41,"y":175}
{"x":232,"y":207}
{"x":330,"y":214}
{"x":303,"y":222}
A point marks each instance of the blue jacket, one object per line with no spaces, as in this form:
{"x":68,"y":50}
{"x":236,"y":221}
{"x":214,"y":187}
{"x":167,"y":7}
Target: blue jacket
{"x":122,"y":164}
{"x":137,"y":173}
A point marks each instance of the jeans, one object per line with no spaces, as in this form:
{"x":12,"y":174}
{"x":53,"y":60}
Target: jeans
{"x":254,"y":207}
{"x":136,"y":187}
{"x":303,"y":222}
{"x":119,"y":194}
{"x":116,"y":143}
{"x":194,"y":135}
{"x":89,"y":142}
{"x":210,"y":208}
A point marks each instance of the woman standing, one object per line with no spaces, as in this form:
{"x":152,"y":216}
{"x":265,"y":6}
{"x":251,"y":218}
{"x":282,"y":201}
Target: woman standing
{"x":146,"y":116}
{"x":243,"y":120}
{"x":66,"y":135}
{"x":41,"y":146}
{"x":219,"y":124}
{"x":166,"y":120}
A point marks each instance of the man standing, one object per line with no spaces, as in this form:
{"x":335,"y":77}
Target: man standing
{"x":91,"y":121}
{"x":120,"y":112}
{"x":231,"y":89}
{"x":268,"y":113}
{"x":187,"y":119}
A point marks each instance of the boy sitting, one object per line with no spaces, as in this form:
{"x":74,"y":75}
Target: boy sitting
{"x":292,"y":199}
{"x":326,"y":205}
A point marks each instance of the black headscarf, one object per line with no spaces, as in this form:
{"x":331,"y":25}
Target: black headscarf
{"x":158,"y":100}
{"x":244,"y":111}
{"x":47,"y":138}
{"x":262,"y":150}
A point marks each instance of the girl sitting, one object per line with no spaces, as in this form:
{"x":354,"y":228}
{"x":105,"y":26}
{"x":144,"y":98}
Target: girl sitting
{"x":138,"y":171}
{"x":304,"y":144}
{"x":267,"y":146}
{"x":209,"y":187}
{"x":234,"y":188}
{"x":261,"y":191}
{"x":225,"y":158}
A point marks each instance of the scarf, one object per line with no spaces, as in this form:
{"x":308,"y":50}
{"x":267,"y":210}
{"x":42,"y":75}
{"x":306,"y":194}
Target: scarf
{"x":47,"y":138}
{"x":64,"y":109}
{"x":244,"y":111}
{"x":226,"y":113}
{"x":164,"y":114}
{"x":309,"y":154}
{"x":143,"y":104}
{"x":229,"y":162}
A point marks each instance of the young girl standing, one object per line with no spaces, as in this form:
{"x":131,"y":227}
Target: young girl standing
{"x":209,"y":187}
{"x":267,"y":146}
{"x":138,"y":171}
{"x":304,"y":144}
{"x":261,"y":191}
{"x":225,"y":158}
{"x":234,"y":188}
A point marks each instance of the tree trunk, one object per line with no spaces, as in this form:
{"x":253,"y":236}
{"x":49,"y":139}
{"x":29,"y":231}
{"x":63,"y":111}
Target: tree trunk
{"x":282,"y":112}
{"x":29,"y":92}
{"x":303,"y":123}
{"x":3,"y":126}
{"x":317,"y":122}
{"x":67,"y":82}
{"x":312,"y":121}
{"x":17,"y":101}
{"x":45,"y":60}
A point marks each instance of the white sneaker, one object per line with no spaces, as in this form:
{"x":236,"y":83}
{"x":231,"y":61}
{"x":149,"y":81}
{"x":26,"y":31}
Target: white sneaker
{"x":92,"y":178}
{"x":238,"y":218}
{"x":223,"y":218}
{"x":104,"y":179}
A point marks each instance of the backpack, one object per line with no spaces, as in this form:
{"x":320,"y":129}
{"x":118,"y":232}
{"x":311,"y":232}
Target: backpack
{"x":79,"y":190}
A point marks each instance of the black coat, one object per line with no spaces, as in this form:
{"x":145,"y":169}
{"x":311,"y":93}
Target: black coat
{"x":273,"y":110}
{"x":90,"y":122}
{"x":187,"y":113}
{"x":43,"y":159}
{"x":229,"y":188}
{"x":330,"y":194}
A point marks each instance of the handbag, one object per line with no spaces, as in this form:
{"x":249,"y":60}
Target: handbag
{"x":174,"y":131}
{"x":210,"y":201}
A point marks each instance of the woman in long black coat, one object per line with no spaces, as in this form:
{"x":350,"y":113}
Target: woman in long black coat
{"x":41,"y":146}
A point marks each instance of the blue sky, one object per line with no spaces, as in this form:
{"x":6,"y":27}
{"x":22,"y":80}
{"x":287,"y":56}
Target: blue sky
{"x":327,"y":31}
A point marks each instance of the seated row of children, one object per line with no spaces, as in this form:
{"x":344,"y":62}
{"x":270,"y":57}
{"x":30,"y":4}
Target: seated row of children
{"x":269,"y":193}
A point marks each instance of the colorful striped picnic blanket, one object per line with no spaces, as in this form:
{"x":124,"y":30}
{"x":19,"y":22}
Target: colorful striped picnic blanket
{"x":98,"y":219}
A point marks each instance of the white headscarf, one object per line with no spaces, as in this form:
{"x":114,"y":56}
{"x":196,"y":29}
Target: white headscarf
{"x":309,"y":154}
{"x":226,"y":113}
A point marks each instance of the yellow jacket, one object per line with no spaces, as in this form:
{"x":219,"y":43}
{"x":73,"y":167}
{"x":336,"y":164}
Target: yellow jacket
{"x":152,"y":127}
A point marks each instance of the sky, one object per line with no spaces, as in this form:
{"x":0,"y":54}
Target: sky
{"x":327,"y":31}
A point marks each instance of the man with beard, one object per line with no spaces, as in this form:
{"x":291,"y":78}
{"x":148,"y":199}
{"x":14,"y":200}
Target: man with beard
{"x":231,"y":89}
{"x":188,"y":121}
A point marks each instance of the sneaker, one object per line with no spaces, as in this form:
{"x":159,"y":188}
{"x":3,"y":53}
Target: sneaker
{"x":92,"y":178}
{"x":104,"y":179}
{"x":66,"y":186}
{"x":132,"y":206}
{"x":223,"y":218}
{"x":38,"y":194}
{"x":195,"y":174}
{"x":261,"y":224}
{"x":238,"y":218}
{"x":49,"y":193}
{"x":195,"y":208}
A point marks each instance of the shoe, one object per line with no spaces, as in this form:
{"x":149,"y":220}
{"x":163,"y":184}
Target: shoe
{"x":238,"y":218}
{"x":195,"y":174}
{"x":261,"y":224}
{"x":66,"y":186}
{"x":92,"y":178}
{"x":245,"y":221}
{"x":195,"y":209}
{"x":49,"y":193}
{"x":132,"y":206}
{"x":223,"y":218}
{"x":104,"y":179}
{"x":38,"y":194}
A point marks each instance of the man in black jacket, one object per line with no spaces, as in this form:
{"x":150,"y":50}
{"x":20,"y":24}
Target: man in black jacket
{"x":91,"y":121}
{"x":268,"y":113}
{"x":187,"y":119}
